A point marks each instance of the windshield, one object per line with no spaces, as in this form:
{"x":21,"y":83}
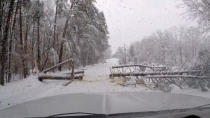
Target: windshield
{"x":149,"y":53}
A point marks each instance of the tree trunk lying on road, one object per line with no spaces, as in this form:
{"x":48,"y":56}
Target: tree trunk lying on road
{"x":68,"y":76}
{"x":53,"y":77}
{"x":139,"y":65}
{"x":194,"y":72}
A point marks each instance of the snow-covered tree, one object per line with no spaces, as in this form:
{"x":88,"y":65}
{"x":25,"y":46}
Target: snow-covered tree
{"x":173,"y":47}
{"x":41,"y":33}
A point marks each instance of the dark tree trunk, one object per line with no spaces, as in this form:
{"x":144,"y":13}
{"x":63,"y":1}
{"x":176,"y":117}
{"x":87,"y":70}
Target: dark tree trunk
{"x":26,"y":37}
{"x":62,"y":42}
{"x":181,"y":58}
{"x":1,"y":18}
{"x":38,"y":44}
{"x":47,"y":58}
{"x":14,"y":18}
{"x":10,"y":56}
{"x":55,"y":26}
{"x":25,"y":69}
{"x":3,"y":56}
{"x":60,"y":56}
{"x":25,"y":46}
{"x":11,"y":42}
{"x":32,"y":45}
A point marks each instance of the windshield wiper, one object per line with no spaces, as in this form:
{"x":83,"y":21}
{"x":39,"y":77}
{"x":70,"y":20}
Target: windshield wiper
{"x":78,"y":115}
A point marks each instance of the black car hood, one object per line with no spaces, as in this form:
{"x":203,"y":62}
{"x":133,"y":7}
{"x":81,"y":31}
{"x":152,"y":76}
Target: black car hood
{"x":103,"y":103}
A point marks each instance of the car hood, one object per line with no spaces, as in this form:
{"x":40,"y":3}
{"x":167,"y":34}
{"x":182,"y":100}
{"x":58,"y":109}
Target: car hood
{"x":103,"y":103}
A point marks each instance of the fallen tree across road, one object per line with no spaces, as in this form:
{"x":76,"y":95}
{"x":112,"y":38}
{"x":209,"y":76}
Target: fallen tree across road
{"x":54,"y":77}
{"x":194,"y":72}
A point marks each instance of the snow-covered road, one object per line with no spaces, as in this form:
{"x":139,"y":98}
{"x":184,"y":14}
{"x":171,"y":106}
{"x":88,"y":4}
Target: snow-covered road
{"x":96,"y":80}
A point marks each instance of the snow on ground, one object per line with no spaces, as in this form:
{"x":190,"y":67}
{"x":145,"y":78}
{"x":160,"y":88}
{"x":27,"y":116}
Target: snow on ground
{"x":96,"y":80}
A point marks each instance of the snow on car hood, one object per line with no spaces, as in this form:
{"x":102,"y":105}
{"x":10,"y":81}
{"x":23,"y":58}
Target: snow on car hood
{"x":103,"y":103}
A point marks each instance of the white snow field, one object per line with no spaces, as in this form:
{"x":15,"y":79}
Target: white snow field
{"x":96,"y":80}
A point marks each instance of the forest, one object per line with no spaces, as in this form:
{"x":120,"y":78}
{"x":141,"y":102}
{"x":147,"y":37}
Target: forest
{"x":36,"y":34}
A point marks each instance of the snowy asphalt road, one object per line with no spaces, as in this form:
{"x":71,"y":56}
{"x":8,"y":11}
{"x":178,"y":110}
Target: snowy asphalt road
{"x":96,"y":80}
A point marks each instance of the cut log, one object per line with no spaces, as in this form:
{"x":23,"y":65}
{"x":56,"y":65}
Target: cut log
{"x":57,"y":65}
{"x":50,"y":77}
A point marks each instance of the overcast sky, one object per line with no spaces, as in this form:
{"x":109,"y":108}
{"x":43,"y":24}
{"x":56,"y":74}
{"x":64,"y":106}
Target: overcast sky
{"x":131,"y":20}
